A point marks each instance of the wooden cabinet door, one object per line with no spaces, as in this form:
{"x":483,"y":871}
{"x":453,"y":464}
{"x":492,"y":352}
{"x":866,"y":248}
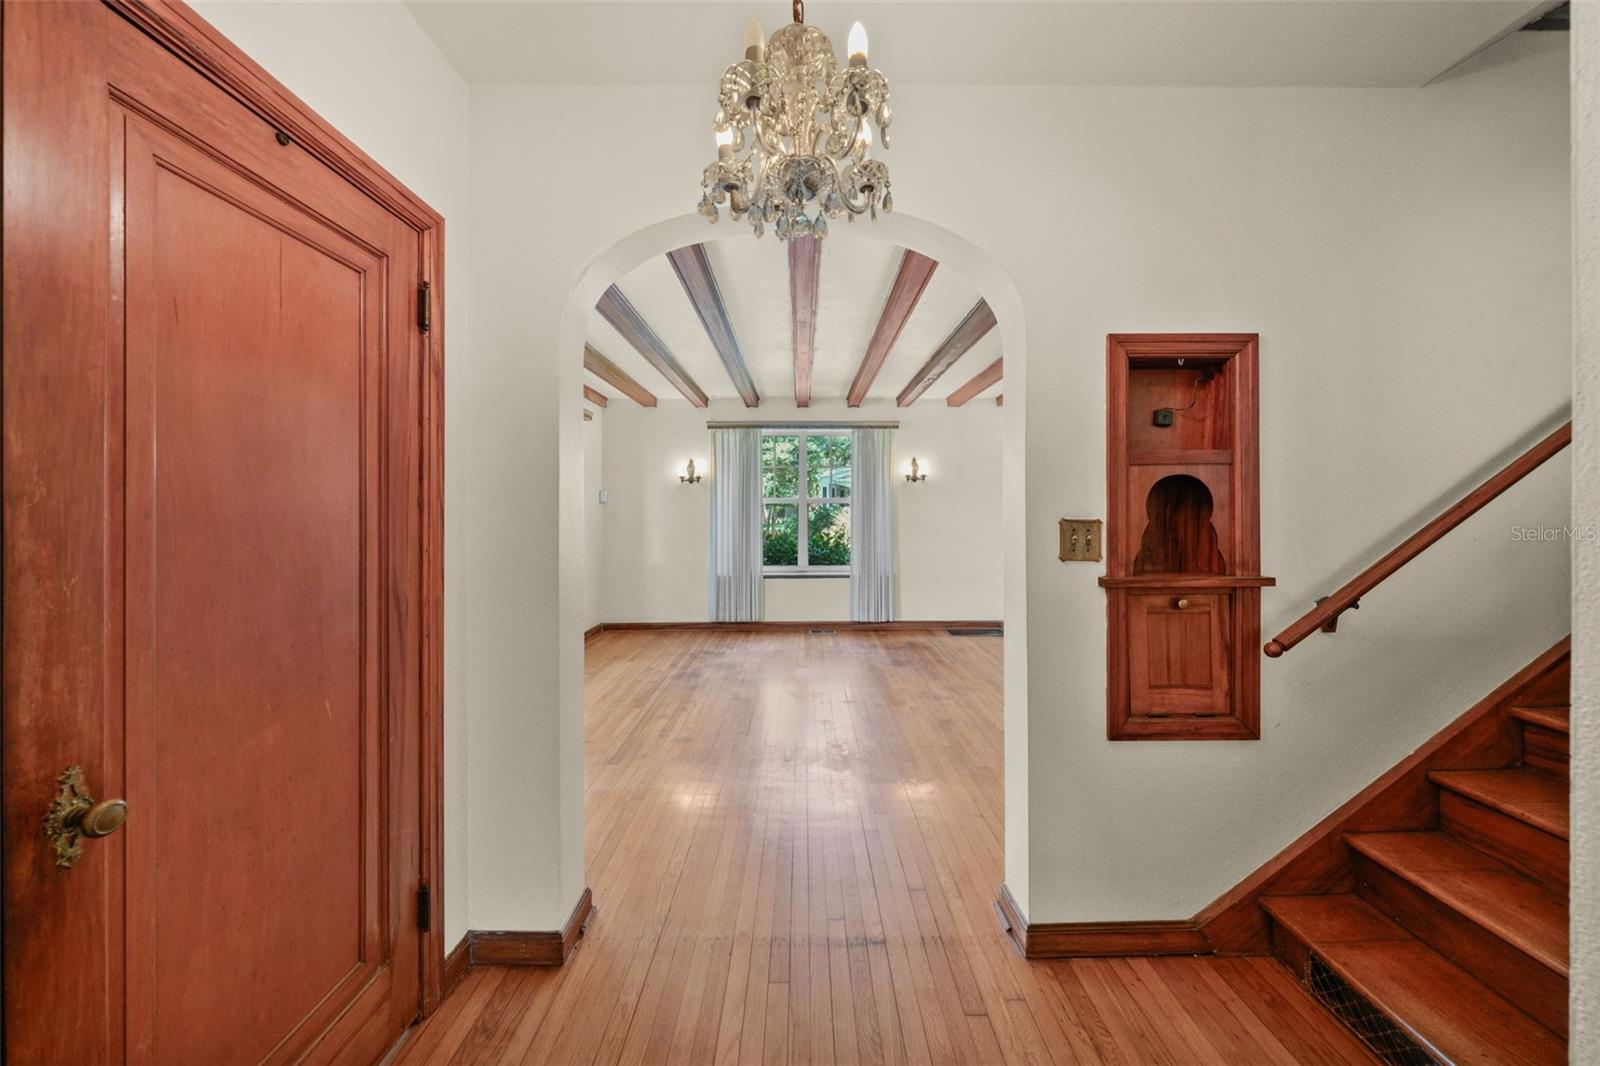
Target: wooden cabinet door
{"x":214,"y":463}
{"x":1178,"y":652}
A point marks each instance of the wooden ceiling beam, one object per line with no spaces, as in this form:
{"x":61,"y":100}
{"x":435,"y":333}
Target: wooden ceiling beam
{"x":982,"y":380}
{"x":615,"y":309}
{"x":909,"y":282}
{"x":699,"y":282}
{"x":969,"y":331}
{"x":1000,"y":400}
{"x":616,"y":377}
{"x":595,"y":396}
{"x":805,"y":272}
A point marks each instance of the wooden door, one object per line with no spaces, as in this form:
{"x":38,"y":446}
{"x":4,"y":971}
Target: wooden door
{"x":217,"y":425}
{"x":1178,"y":653}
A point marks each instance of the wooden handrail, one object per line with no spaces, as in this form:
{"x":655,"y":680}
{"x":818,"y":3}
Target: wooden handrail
{"x":1329,"y":608}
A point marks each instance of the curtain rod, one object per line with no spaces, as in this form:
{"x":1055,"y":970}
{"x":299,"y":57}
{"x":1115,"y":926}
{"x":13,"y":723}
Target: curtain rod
{"x":803,"y":425}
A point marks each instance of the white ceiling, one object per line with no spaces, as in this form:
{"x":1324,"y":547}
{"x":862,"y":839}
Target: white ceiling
{"x":754,"y":277}
{"x":990,"y":42}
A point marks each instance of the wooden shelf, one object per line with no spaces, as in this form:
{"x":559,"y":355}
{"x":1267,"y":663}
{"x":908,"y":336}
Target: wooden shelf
{"x":1187,"y":581}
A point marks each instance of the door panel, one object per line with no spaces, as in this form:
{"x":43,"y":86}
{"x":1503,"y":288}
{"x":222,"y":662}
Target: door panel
{"x":1178,"y":653}
{"x":252,"y":358}
{"x":213,"y":396}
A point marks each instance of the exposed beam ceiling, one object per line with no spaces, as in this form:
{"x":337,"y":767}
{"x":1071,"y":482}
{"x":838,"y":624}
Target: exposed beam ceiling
{"x":970,"y":330}
{"x":805,"y":272}
{"x":595,"y":396}
{"x":613,"y":375}
{"x":1000,"y":400}
{"x":700,"y":285}
{"x":616,"y":310}
{"x":915,"y":271}
{"x":982,"y":380}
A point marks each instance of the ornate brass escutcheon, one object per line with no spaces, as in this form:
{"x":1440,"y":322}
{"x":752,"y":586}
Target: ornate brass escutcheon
{"x":74,"y":814}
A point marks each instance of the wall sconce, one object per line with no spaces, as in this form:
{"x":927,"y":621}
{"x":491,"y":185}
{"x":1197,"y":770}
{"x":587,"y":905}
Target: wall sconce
{"x":915,"y":474}
{"x":689,"y":477}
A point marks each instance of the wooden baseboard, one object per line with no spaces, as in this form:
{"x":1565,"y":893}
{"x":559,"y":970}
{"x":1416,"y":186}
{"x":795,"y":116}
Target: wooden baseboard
{"x":520,"y":947}
{"x":755,"y":627}
{"x":455,"y":965}
{"x":535,"y":948}
{"x":1071,"y":940}
{"x":592,"y":630}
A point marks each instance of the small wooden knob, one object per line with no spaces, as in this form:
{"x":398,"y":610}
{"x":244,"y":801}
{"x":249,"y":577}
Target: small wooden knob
{"x":104,"y":818}
{"x":1180,"y":603}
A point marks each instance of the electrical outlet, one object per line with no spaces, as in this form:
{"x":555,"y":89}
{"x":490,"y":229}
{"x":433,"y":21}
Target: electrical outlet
{"x":605,"y":497}
{"x":1080,"y":540}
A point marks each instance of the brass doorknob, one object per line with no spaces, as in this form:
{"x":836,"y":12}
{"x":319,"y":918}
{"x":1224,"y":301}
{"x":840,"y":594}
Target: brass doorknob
{"x":1180,"y":603}
{"x":75,"y":814}
{"x":104,"y":818}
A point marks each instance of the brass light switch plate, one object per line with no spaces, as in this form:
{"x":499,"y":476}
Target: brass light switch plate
{"x":1080,"y":540}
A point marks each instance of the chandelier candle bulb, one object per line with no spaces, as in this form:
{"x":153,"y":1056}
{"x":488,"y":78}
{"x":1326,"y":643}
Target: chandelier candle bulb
{"x":755,"y":41}
{"x":725,"y":144}
{"x":856,"y":45}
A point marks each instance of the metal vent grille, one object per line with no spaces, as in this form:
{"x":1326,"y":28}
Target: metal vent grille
{"x":1381,"y":1035}
{"x":975,"y":632}
{"x":822,"y":632}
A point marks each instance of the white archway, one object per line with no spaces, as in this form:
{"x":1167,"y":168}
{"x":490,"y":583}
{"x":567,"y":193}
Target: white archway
{"x":997,"y":288}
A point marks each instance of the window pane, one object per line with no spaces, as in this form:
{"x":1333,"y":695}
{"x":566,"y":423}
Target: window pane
{"x":816,"y":465}
{"x":779,"y":482}
{"x":780,"y":450}
{"x":780,"y":466}
{"x":839,"y":456}
{"x":828,"y":467}
{"x":780,"y":535}
{"x":828,"y":534}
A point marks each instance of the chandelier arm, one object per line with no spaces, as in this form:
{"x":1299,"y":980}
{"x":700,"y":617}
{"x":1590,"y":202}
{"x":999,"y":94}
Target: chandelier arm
{"x":852,"y":206}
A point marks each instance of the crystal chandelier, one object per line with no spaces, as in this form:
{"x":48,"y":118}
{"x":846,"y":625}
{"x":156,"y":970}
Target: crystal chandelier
{"x":794,"y":133}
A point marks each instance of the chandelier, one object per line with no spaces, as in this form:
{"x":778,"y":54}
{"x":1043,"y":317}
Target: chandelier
{"x":794,"y":133}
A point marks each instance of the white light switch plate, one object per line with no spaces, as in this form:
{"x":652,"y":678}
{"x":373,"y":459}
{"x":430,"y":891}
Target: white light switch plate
{"x":604,"y":496}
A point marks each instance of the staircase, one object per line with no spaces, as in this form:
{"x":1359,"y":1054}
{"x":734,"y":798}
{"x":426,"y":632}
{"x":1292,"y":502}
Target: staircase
{"x":1452,"y":946}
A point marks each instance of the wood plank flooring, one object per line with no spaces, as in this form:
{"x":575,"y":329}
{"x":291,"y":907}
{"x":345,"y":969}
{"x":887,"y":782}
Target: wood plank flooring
{"x":794,"y":841}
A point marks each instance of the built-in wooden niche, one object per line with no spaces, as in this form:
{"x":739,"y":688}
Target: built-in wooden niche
{"x":1183,"y":544}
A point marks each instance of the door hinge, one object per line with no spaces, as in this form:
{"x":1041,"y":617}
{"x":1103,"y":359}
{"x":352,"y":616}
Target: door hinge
{"x":425,"y":908}
{"x":424,"y":306}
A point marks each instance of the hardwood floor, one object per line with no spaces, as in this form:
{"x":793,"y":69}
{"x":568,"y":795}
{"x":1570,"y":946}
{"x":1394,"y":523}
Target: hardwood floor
{"x":794,"y":841}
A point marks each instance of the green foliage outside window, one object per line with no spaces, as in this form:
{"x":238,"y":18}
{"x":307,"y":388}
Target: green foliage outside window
{"x":780,"y":535}
{"x":828,"y":526}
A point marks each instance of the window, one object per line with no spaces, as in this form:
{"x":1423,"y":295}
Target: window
{"x":805,"y":489}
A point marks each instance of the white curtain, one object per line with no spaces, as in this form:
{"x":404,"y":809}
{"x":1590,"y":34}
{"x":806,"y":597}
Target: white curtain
{"x":736,"y":593}
{"x":872,"y":567}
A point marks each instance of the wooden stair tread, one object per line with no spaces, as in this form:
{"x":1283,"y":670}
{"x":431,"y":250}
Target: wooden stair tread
{"x":1440,"y":1005}
{"x":1532,"y":796}
{"x":1484,"y":890}
{"x":1554,"y":717}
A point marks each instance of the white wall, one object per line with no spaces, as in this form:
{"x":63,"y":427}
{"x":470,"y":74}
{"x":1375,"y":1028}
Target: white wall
{"x":1585,"y":984}
{"x":594,"y":554}
{"x":656,"y":528}
{"x":1404,"y":254}
{"x":370,"y":70}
